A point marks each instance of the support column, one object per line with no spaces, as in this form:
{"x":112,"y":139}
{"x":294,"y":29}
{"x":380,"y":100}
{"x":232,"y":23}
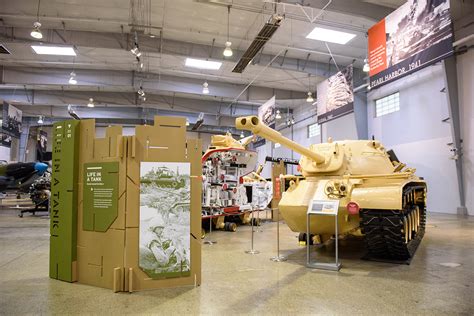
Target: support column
{"x":452,"y":96}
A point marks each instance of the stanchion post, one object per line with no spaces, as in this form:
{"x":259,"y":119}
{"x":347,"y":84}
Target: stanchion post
{"x":252,"y":251}
{"x":209,"y":241}
{"x":278,"y":257}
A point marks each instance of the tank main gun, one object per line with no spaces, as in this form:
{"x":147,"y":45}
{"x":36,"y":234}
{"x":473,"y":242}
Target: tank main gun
{"x":253,"y":124}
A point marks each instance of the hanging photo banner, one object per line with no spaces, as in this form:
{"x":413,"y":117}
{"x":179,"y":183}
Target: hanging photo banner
{"x":335,"y":95}
{"x":266,"y":114}
{"x":11,"y":121}
{"x":416,"y":35}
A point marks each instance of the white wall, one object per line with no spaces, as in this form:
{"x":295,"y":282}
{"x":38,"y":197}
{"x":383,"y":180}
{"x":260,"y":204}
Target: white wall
{"x":417,"y":134}
{"x":4,"y":153}
{"x":466,"y":100}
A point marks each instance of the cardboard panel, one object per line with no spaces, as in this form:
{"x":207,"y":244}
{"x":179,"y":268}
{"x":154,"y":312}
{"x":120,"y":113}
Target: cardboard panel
{"x":101,"y":252}
{"x":164,"y":142}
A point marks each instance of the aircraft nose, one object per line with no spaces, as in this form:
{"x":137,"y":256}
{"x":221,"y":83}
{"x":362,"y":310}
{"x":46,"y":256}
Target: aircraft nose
{"x":41,"y":167}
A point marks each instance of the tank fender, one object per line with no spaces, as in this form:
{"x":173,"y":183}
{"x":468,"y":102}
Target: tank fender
{"x":382,"y":197}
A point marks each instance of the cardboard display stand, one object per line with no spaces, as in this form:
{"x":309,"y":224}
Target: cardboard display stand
{"x":96,"y":198}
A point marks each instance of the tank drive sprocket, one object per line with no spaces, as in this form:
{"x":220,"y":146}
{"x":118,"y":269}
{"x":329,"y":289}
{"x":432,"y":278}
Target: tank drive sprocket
{"x":395,"y":234}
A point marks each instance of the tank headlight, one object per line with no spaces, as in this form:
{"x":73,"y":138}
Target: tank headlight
{"x":329,"y":189}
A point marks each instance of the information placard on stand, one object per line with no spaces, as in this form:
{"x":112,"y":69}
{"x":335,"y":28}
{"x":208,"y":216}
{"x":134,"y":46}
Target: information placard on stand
{"x":326,"y":208}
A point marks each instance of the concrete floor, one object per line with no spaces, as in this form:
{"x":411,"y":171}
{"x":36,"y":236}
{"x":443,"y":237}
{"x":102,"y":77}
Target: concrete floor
{"x":238,"y":283}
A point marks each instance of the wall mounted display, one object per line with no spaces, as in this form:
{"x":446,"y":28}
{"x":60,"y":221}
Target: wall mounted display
{"x":11,"y":122}
{"x":165,"y":217}
{"x":335,"y":95}
{"x":266,"y":114}
{"x":416,"y":35}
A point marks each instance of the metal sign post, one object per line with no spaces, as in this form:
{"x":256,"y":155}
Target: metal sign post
{"x":327,"y":208}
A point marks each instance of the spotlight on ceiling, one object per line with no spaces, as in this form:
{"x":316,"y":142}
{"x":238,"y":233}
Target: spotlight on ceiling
{"x":366,"y":66}
{"x":310,"y":99}
{"x":72,"y":78}
{"x":91,"y":103}
{"x":228,"y":51}
{"x":242,"y":135}
{"x":36,"y":32}
{"x":278,"y":114}
{"x":40,"y":119}
{"x":205,"y":88}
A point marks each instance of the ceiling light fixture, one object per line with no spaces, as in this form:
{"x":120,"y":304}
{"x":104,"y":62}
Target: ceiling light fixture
{"x":332,"y":36}
{"x":187,"y":122}
{"x":205,"y":88}
{"x":242,"y":135}
{"x":54,"y":50}
{"x":228,"y":51}
{"x":309,"y":99}
{"x":40,"y":119}
{"x":36,"y":32}
{"x":72,"y":78}
{"x":292,"y":120}
{"x":278,"y":114}
{"x":91,"y":103}
{"x":203,"y":64}
{"x":366,"y":66}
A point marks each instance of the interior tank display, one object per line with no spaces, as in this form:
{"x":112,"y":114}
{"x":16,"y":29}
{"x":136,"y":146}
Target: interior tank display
{"x":379,"y":197}
{"x":232,"y":187}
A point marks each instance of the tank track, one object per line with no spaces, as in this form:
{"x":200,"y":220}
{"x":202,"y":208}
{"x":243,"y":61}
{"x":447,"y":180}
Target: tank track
{"x":395,"y":234}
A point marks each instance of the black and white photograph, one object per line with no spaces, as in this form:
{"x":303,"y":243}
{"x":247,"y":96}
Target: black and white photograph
{"x":12,"y":118}
{"x":165,"y":215}
{"x":416,"y":26}
{"x":335,"y":95}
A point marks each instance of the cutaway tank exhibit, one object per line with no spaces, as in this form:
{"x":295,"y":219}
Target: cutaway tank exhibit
{"x":379,"y":197}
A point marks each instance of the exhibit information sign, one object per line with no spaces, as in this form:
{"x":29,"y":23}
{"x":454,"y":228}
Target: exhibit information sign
{"x":100,"y":198}
{"x":324,"y":207}
{"x":165,"y":219}
{"x":266,"y":114}
{"x":417,"y":34}
{"x":335,"y":95}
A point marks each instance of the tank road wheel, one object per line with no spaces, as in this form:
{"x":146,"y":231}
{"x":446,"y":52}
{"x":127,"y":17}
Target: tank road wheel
{"x":302,"y":239}
{"x":230,"y":227}
{"x":405,"y":230}
{"x":395,"y":234}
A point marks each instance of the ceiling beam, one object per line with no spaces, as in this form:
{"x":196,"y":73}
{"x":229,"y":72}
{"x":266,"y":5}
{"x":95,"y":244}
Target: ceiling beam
{"x":127,"y":81}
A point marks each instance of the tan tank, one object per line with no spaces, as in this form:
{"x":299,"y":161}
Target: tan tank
{"x":378,"y":196}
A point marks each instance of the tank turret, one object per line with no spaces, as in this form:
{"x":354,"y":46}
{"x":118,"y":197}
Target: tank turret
{"x":376,"y":193}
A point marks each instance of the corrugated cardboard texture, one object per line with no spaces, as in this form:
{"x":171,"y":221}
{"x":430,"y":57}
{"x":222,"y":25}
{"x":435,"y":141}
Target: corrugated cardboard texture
{"x":110,"y":259}
{"x":165,"y":141}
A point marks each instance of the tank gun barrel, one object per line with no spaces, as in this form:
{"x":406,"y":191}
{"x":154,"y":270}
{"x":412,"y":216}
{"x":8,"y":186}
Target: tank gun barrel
{"x":253,"y":124}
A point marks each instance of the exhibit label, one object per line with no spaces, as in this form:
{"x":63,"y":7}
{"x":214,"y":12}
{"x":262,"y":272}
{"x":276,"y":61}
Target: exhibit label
{"x":100,"y":198}
{"x":416,"y":35}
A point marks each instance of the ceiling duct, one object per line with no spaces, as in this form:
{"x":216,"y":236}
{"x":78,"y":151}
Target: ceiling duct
{"x":199,"y":122}
{"x":259,"y":41}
